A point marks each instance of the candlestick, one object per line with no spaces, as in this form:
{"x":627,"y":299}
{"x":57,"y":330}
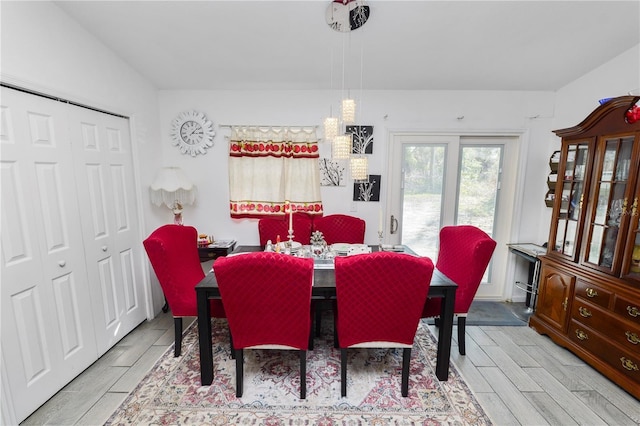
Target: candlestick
{"x":290,"y":219}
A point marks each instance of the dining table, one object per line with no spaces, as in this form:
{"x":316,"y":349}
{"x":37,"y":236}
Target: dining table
{"x":324,"y":285}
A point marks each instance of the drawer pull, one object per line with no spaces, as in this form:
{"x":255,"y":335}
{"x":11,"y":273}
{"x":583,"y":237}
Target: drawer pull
{"x":633,"y":311}
{"x":584,"y":312}
{"x":627,"y":364}
{"x":581,"y":335}
{"x":632,"y":337}
{"x":591,"y":292}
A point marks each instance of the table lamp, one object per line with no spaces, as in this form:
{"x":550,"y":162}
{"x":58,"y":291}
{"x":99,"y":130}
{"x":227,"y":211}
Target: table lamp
{"x":172,"y":188}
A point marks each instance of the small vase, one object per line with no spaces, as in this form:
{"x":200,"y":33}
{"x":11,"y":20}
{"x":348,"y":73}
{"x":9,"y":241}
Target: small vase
{"x":317,"y":249}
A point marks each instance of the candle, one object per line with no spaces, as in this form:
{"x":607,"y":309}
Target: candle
{"x":380,"y":221}
{"x":290,"y":218}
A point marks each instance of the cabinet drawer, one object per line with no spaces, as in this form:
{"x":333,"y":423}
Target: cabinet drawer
{"x":593,"y":293}
{"x":625,"y":333}
{"x":627,"y":363}
{"x":628,"y":309}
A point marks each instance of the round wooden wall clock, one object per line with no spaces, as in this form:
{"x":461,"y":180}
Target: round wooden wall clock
{"x":192,"y":132}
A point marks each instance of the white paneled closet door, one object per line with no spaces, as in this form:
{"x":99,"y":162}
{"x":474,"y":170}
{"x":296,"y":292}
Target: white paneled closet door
{"x":104,"y":172}
{"x":47,"y":327}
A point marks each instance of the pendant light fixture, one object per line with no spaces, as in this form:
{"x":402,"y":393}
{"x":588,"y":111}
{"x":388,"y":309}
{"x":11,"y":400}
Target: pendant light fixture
{"x":348,"y":111}
{"x":341,"y":147}
{"x":359,"y":169}
{"x":330,"y":128}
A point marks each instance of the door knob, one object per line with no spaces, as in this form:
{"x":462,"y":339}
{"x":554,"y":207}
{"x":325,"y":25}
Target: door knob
{"x":62,"y":263}
{"x":394,"y":225}
{"x":104,"y":248}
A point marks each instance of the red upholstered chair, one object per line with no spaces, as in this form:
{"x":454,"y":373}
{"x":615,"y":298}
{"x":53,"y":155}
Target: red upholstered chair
{"x":267,"y":299}
{"x":465,"y":252}
{"x":380,"y":299}
{"x":173,"y":253}
{"x":340,"y":228}
{"x":270,"y":228}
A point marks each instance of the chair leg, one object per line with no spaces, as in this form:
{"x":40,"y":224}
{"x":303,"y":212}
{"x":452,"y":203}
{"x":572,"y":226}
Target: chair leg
{"x":233,"y":353}
{"x":318,"y":314}
{"x":239,"y":372}
{"x":406,"y":359}
{"x":177,"y":326}
{"x":462,"y":322}
{"x":343,"y":372}
{"x":311,"y":331}
{"x":436,"y":322}
{"x":303,"y":374}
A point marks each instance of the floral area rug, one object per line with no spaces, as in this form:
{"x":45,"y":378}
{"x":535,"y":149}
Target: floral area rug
{"x":171,"y":393}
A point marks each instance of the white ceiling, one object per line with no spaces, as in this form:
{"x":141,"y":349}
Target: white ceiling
{"x":476,"y":45}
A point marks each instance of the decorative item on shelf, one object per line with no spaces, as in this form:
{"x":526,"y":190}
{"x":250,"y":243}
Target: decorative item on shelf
{"x":318,"y":244}
{"x":549,"y":197}
{"x":172,"y":188}
{"x":633,"y":113}
{"x":204,"y":240}
{"x":635,"y":259}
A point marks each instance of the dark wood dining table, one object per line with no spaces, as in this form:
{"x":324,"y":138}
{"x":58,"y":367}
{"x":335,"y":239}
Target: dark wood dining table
{"x":324,"y":285}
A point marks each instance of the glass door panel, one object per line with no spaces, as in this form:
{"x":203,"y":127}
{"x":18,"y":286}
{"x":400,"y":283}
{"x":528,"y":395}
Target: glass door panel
{"x":423,"y":181}
{"x":572,"y":198}
{"x":611,"y":207}
{"x":632,"y":258}
{"x":479,"y":175}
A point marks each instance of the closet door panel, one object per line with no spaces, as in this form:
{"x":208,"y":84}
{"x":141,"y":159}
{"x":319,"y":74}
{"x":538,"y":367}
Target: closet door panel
{"x":45,"y":301}
{"x":102,"y":149}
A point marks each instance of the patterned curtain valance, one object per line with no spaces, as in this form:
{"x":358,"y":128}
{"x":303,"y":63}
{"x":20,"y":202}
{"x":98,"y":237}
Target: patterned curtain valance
{"x":270,"y":167}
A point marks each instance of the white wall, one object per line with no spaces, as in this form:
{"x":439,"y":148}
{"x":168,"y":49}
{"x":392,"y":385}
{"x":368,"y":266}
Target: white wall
{"x":45,"y":51}
{"x":615,"y":78}
{"x":385,"y":110}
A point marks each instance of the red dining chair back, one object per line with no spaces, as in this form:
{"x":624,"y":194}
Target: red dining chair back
{"x":267,"y":299}
{"x":340,"y":228}
{"x":270,"y":228}
{"x":380,"y":297}
{"x":465,"y":252}
{"x":173,"y":253}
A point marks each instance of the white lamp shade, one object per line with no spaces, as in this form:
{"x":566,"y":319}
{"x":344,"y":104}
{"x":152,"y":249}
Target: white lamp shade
{"x":341,"y":147}
{"x":348,"y":111}
{"x":171,"y":185}
{"x":330,"y":128}
{"x":359,"y":168}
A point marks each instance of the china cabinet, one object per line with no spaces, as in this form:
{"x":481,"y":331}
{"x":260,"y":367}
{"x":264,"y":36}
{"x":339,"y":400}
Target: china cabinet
{"x":589,"y":291}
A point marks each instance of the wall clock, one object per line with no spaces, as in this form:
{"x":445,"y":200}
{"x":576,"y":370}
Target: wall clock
{"x":192,"y":132}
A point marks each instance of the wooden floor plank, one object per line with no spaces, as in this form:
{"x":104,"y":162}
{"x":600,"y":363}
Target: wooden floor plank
{"x":578,"y":410}
{"x":511,"y":369}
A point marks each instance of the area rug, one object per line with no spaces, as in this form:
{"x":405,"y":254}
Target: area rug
{"x":171,"y":393}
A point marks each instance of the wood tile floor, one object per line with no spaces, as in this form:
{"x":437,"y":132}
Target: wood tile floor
{"x":519,"y":377}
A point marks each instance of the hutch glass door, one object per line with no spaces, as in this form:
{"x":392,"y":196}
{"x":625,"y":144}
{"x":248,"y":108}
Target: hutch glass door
{"x":572,"y":183}
{"x":612,"y":198}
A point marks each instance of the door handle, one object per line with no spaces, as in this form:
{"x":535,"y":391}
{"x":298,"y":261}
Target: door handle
{"x":393,"y":228}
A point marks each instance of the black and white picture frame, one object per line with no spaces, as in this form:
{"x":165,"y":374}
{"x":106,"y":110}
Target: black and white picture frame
{"x":367,"y":191}
{"x":332,"y":172}
{"x":362,"y":141}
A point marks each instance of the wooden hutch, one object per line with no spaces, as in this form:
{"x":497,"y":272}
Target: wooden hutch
{"x":589,"y":290}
